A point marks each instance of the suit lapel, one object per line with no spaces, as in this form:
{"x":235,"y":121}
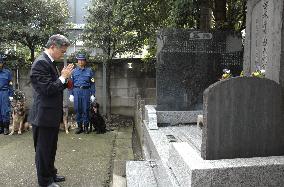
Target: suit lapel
{"x":54,"y":68}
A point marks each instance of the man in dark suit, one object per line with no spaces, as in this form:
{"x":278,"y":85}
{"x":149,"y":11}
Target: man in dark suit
{"x":47,"y":109}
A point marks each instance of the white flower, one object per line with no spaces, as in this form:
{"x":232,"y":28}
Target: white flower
{"x":226,"y":71}
{"x":262,"y":71}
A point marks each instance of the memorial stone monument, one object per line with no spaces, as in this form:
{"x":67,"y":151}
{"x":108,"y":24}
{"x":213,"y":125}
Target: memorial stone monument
{"x":264,"y":39}
{"x":188,"y":61}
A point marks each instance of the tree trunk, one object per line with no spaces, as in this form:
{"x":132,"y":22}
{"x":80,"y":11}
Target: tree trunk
{"x":32,"y":53}
{"x":108,"y":93}
{"x":219,"y":12}
{"x":205,"y":15}
{"x":106,"y":97}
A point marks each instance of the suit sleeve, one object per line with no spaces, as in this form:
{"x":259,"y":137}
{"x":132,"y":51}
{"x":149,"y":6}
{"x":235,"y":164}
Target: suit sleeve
{"x":42,"y":80}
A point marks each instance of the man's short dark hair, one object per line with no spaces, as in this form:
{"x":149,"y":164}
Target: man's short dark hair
{"x":58,"y":40}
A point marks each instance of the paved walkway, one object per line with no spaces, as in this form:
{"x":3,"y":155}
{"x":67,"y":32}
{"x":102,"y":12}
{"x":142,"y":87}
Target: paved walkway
{"x":85,"y":160}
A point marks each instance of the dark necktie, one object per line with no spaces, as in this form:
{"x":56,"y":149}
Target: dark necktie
{"x":55,"y":67}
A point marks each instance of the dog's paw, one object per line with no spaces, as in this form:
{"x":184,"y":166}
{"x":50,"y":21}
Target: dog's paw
{"x":19,"y":132}
{"x":11,"y":133}
{"x":67,"y":132}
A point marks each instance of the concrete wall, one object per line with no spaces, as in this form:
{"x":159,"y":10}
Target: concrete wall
{"x":125,"y":85}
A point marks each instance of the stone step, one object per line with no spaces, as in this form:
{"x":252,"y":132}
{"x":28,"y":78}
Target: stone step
{"x":140,"y":174}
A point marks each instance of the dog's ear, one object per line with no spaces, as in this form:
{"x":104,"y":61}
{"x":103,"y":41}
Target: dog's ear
{"x":13,"y":104}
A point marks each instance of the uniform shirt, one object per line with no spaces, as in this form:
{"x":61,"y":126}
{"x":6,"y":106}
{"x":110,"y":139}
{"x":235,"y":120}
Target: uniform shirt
{"x":83,"y":77}
{"x":6,"y":81}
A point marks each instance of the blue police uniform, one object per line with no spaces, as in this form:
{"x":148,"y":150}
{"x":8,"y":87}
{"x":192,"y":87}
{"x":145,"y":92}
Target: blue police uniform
{"x":83,"y":88}
{"x":6,"y":91}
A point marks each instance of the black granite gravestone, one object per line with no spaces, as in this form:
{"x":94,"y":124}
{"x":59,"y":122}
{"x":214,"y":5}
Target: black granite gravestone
{"x":188,"y":62}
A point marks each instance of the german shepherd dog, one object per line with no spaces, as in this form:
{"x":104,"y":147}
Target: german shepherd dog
{"x":96,"y":119}
{"x":19,"y":114}
{"x":64,"y":125}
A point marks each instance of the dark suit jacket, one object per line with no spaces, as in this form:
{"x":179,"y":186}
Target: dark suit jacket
{"x":48,"y":93}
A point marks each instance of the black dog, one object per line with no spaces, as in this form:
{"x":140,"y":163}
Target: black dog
{"x":96,"y":119}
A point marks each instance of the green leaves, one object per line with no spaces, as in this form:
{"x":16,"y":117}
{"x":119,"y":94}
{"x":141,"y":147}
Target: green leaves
{"x":32,"y":22}
{"x":110,"y":27}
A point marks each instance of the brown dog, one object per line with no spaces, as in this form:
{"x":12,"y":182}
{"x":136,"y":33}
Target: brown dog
{"x":19,"y":115}
{"x":65,"y":124}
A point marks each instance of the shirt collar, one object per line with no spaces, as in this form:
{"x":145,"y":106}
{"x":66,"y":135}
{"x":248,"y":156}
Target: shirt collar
{"x":82,"y":69}
{"x":50,"y":57}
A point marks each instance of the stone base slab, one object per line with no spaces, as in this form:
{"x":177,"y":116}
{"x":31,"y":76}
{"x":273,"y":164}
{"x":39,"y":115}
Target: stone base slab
{"x":140,"y":173}
{"x":177,"y":117}
{"x":191,"y":170}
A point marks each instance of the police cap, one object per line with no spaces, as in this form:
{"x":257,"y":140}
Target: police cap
{"x":2,"y":57}
{"x":81,"y":57}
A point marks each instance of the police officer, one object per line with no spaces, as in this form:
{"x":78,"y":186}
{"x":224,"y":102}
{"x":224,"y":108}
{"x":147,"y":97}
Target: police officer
{"x":82,"y":92}
{"x":6,"y":96}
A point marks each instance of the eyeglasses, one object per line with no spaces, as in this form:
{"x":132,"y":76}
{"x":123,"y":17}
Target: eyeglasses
{"x":62,"y":50}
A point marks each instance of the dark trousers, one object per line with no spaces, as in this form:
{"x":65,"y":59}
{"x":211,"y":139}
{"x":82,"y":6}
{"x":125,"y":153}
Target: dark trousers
{"x":82,"y":105}
{"x":45,"y":144}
